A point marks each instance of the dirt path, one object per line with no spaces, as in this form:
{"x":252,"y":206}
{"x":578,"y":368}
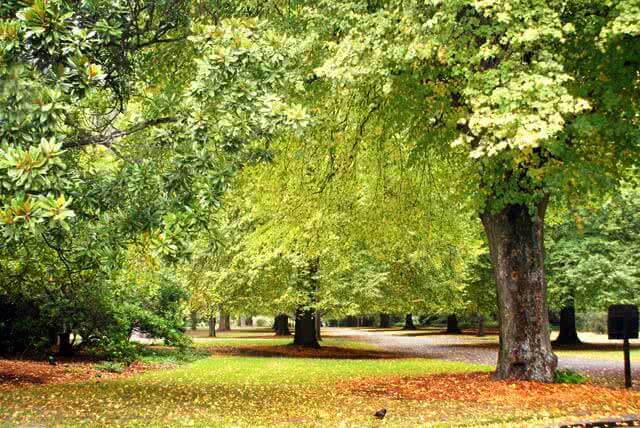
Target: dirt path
{"x":480,"y":350}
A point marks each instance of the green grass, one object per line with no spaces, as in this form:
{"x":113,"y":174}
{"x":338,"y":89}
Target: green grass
{"x":225,"y":370}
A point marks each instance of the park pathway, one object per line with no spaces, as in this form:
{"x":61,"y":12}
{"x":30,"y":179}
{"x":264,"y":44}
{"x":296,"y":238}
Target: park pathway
{"x":479,"y":350}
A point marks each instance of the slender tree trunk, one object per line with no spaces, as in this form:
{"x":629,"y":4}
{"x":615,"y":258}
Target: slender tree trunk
{"x":408,"y":323}
{"x":225,"y":322}
{"x":194,"y":320}
{"x":516,"y":243}
{"x":248,"y":321}
{"x":318,"y":321}
{"x":281,"y":325}
{"x":452,"y":324}
{"x":212,"y":326}
{"x":305,"y":331}
{"x":480,"y":325}
{"x":568,"y":333}
{"x":385,"y":321}
{"x":65,"y":348}
{"x":52,"y":334}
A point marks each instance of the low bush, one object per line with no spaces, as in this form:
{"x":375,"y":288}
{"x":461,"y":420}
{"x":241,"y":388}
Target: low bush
{"x":568,"y":376}
{"x":110,"y":366}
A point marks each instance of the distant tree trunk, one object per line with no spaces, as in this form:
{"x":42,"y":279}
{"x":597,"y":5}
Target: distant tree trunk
{"x":318,"y":321}
{"x":385,"y":321}
{"x":225,"y":322}
{"x":568,"y":333}
{"x":194,"y":320}
{"x":52,"y":334}
{"x":248,"y":321}
{"x":305,"y":331}
{"x":65,"y":348}
{"x":452,"y":324}
{"x":351,"y":321}
{"x":516,"y":243}
{"x":480,"y":325}
{"x":408,"y":323}
{"x":281,"y":325}
{"x":212,"y":326}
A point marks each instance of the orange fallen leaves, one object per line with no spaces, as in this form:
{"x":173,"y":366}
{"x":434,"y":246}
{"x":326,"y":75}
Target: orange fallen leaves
{"x":16,"y":373}
{"x":480,"y":388}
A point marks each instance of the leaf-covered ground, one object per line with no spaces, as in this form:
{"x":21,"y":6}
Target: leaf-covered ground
{"x":310,"y":390}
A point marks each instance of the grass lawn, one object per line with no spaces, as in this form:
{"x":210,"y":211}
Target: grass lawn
{"x":222,"y":390}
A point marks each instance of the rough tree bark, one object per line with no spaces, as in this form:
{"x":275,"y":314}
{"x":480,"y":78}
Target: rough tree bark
{"x":408,"y":323}
{"x":568,"y":333}
{"x":385,"y":321}
{"x":452,"y":324}
{"x":305,"y":329}
{"x":281,"y":325}
{"x":516,"y":244}
{"x":212,"y":326}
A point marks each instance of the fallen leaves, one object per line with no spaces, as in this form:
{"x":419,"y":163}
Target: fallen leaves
{"x":479,"y":388}
{"x":289,"y":351}
{"x":19,"y":373}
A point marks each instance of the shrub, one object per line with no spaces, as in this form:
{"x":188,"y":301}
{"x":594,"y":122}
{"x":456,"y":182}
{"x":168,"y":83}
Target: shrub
{"x":568,"y":376}
{"x":110,"y":366}
{"x":592,"y":321}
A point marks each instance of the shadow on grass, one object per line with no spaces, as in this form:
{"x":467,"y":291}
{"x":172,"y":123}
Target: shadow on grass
{"x":292,"y":351}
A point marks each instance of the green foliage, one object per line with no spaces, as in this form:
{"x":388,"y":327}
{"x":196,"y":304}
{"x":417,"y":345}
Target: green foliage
{"x":593,"y":254}
{"x":568,"y":376}
{"x":110,"y":367}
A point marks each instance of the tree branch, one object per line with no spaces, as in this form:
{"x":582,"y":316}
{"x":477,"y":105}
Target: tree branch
{"x":107,"y":140}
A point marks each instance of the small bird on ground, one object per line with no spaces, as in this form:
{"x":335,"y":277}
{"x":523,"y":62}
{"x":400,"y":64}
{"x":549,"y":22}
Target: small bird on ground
{"x":380,"y":413}
{"x":52,"y":360}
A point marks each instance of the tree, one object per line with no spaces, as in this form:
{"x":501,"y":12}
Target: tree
{"x":520,"y":85}
{"x":592,"y":258}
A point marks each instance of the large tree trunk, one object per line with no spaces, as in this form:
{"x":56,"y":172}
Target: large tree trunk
{"x":212,"y":326}
{"x":194,"y":320}
{"x":568,"y":333}
{"x":225,"y":322}
{"x":385,"y":321}
{"x":452,"y":324}
{"x":281,"y":325}
{"x":516,"y":243}
{"x":305,"y":331}
{"x":408,"y":323}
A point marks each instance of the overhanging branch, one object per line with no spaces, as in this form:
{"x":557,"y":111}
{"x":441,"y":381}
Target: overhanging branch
{"x":108,"y":139}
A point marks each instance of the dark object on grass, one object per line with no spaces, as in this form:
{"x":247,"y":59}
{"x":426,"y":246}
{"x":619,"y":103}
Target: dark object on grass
{"x":380,"y":413}
{"x":52,"y":360}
